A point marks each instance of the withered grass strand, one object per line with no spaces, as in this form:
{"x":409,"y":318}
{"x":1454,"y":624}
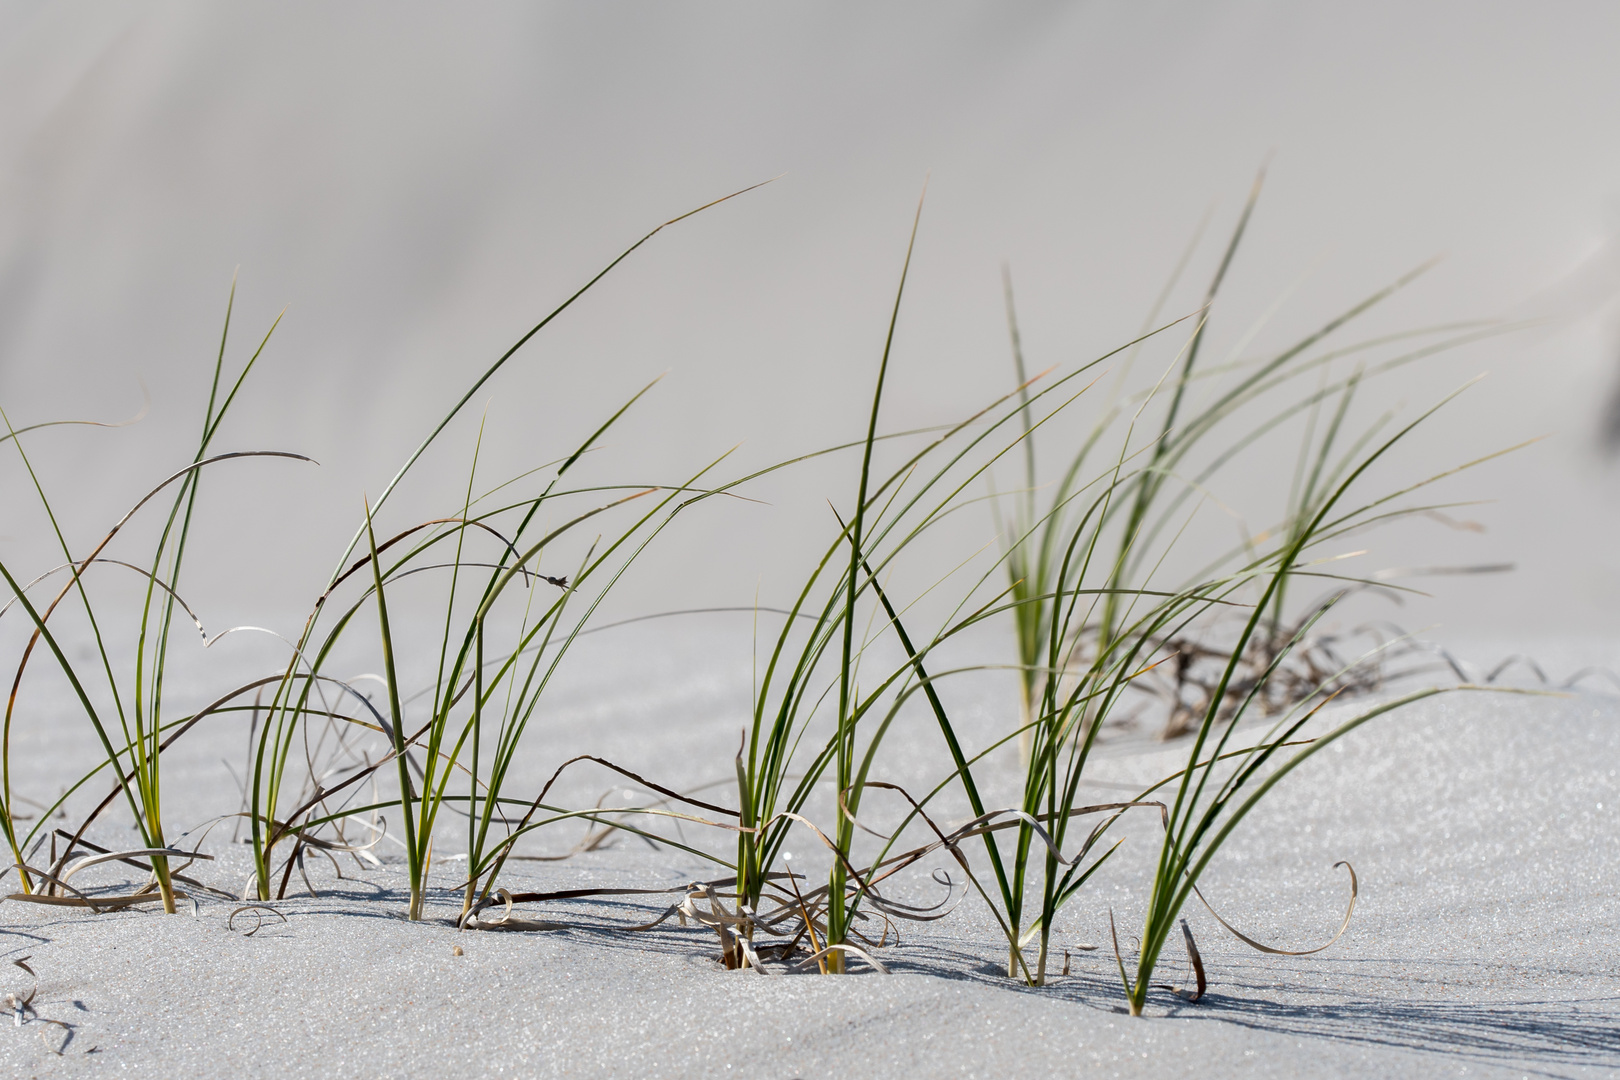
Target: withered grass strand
{"x":258,"y":911}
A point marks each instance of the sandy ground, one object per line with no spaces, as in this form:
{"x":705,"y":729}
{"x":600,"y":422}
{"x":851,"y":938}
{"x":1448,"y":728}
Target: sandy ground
{"x":1484,"y":943}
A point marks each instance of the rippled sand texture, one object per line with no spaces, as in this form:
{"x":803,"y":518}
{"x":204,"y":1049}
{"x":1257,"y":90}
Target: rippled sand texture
{"x":1484,"y":942}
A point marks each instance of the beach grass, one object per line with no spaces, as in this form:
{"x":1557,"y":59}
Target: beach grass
{"x":514,"y":576}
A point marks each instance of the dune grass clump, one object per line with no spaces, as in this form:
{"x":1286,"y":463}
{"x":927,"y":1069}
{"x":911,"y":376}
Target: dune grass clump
{"x":1191,"y":445}
{"x":133,"y":748}
{"x":1086,"y":573}
{"x":462,"y":679}
{"x":816,"y":665}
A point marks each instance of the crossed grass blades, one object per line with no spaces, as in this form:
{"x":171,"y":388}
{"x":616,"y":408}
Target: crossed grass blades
{"x":521,"y":568}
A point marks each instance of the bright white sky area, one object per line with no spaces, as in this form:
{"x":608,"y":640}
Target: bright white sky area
{"x":417,"y":183}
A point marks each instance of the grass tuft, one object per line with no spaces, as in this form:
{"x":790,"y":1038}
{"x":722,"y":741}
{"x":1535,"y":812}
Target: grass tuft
{"x":1119,"y":606}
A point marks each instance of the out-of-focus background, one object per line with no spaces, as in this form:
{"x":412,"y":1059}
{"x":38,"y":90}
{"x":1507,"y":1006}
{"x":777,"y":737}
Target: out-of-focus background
{"x":417,"y":183}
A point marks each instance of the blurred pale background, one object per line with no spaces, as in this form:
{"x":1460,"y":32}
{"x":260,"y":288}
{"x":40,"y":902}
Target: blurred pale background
{"x":417,"y":183}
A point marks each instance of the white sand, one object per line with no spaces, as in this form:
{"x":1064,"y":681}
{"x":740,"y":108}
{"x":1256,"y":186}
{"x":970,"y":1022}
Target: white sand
{"x":1484,"y":943}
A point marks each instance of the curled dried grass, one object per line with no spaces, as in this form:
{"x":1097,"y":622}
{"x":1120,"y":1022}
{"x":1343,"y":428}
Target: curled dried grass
{"x":20,"y":1006}
{"x":1195,"y":960}
{"x":1350,"y":909}
{"x":258,"y":916}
